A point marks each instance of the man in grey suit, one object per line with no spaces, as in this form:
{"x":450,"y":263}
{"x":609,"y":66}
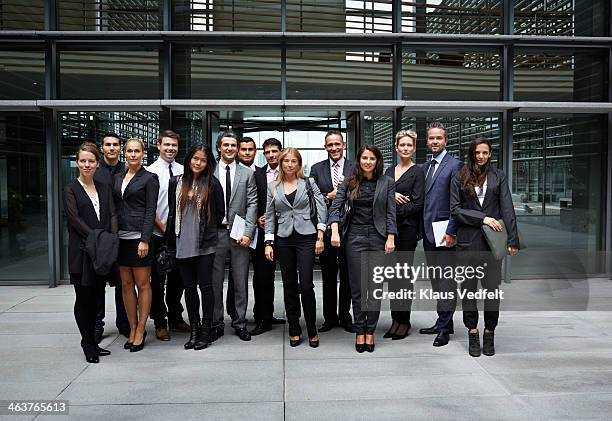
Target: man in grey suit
{"x":240,"y":192}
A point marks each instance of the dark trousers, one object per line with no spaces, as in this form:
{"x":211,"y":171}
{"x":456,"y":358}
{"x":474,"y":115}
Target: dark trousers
{"x":333,"y":261}
{"x":442,"y":256}
{"x":263,"y":282}
{"x":491,"y":281}
{"x":121,"y":319}
{"x":296,"y":253}
{"x":171,"y":310}
{"x":366,"y":309}
{"x":197,"y":272}
{"x":85,"y":314}
{"x":405,"y":241}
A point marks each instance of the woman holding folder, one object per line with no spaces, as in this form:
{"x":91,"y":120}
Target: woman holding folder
{"x":480,"y":197}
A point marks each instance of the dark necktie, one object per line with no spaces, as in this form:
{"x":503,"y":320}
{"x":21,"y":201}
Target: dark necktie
{"x":228,"y":191}
{"x":170,"y":170}
{"x":430,"y":172}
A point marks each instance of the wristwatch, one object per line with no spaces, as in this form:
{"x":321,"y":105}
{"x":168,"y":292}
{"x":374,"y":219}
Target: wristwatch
{"x":269,"y":243}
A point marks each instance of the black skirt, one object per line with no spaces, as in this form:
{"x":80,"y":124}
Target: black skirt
{"x":128,"y":254}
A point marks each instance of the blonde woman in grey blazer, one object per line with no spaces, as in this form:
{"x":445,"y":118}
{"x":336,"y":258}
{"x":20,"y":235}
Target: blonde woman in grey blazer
{"x":296,"y":237}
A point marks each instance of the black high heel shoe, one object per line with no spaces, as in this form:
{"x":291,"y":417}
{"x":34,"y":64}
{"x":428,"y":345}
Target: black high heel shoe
{"x":313,"y":343}
{"x":140,"y":346}
{"x":128,"y":345}
{"x":370,"y":347}
{"x":397,"y":335}
{"x":392,"y":330}
{"x":295,"y":342}
{"x":360,"y":347}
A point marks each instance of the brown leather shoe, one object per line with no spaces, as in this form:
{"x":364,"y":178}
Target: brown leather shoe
{"x":181,"y":327}
{"x":162,"y":334}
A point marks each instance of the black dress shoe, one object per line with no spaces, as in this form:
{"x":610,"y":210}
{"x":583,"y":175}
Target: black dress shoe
{"x":488,"y":343}
{"x":140,"y":346}
{"x":277,"y":321}
{"x":474,"y":344}
{"x":243,"y":334}
{"x":220,"y":330}
{"x":360,"y":347}
{"x":370,"y":347}
{"x":193,"y":331}
{"x":202,"y":339}
{"x":102,"y":352}
{"x":442,"y":339}
{"x":93,"y":359}
{"x":262,"y":326}
{"x":326,"y":326}
{"x":347,"y":325}
{"x":128,"y":345}
{"x":295,"y":342}
{"x":429,"y":330}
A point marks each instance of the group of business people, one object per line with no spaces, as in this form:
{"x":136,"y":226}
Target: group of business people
{"x":342,"y":211}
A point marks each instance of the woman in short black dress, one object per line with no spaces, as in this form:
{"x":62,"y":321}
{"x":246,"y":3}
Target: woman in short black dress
{"x":89,"y":206}
{"x":409,"y":195}
{"x":135,"y":193}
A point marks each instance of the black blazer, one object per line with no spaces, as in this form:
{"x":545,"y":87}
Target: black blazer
{"x":261,"y":180}
{"x":208,"y":232}
{"x":384,"y":205}
{"x":82,"y":219}
{"x":321,"y":172}
{"x":136,"y":208}
{"x":469,"y":213}
{"x":411,"y":184}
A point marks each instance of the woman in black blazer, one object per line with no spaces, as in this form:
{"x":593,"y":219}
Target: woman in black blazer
{"x":192,"y":232}
{"x":480,"y":196}
{"x":135,"y":193}
{"x":409,"y":194}
{"x":89,"y":206}
{"x":371,"y":227}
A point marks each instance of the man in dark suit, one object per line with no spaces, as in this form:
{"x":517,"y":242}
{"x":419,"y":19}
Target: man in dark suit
{"x":328,"y":175}
{"x":439,"y":172}
{"x":108,"y":168}
{"x":263,"y":276}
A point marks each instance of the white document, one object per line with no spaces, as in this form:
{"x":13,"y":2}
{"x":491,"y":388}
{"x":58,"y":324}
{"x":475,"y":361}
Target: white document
{"x":238,"y":228}
{"x":439,"y":230}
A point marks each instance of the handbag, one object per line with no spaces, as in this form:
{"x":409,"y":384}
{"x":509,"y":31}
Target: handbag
{"x":498,"y":241}
{"x":166,"y":260}
{"x":312,"y":203}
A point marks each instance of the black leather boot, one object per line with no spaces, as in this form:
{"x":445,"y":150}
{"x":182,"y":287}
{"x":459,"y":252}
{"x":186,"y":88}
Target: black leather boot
{"x":192,"y":336}
{"x":202,"y":337}
{"x":474,"y":344}
{"x":488,"y":343}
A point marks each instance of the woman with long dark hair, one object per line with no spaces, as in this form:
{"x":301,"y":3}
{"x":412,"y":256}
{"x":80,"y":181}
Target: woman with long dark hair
{"x":89,"y":206}
{"x":299,"y":238}
{"x":135,"y":192}
{"x":371,"y":227}
{"x":409,"y":196}
{"x":196,"y":210}
{"x":480,"y":196}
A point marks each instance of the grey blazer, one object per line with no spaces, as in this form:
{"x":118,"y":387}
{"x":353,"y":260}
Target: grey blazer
{"x":296,"y":217}
{"x":243,"y":200}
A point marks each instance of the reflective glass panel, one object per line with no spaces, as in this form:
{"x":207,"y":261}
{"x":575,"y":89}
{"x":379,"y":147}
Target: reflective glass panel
{"x":19,"y":15}
{"x":22,"y":74}
{"x":23,"y":197}
{"x":452,"y":16}
{"x":339,"y":74}
{"x":109,"y":15}
{"x":227,"y":15}
{"x":96,"y":74}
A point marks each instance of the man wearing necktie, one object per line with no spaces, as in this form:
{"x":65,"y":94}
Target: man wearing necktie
{"x":240,"y":192}
{"x":439,"y":171}
{"x":169,"y":312}
{"x":328,"y":175}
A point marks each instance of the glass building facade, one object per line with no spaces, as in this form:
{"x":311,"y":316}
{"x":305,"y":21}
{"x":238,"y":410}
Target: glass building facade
{"x":532,"y":75}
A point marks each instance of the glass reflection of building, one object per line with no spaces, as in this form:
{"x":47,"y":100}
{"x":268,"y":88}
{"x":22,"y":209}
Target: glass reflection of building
{"x":367,"y":68}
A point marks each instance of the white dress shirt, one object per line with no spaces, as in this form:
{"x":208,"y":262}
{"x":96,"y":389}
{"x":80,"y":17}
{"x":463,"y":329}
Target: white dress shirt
{"x":271,"y":174}
{"x":252,"y":167}
{"x":438,"y":159}
{"x":222,"y":171}
{"x":162,"y":169}
{"x":480,"y":192}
